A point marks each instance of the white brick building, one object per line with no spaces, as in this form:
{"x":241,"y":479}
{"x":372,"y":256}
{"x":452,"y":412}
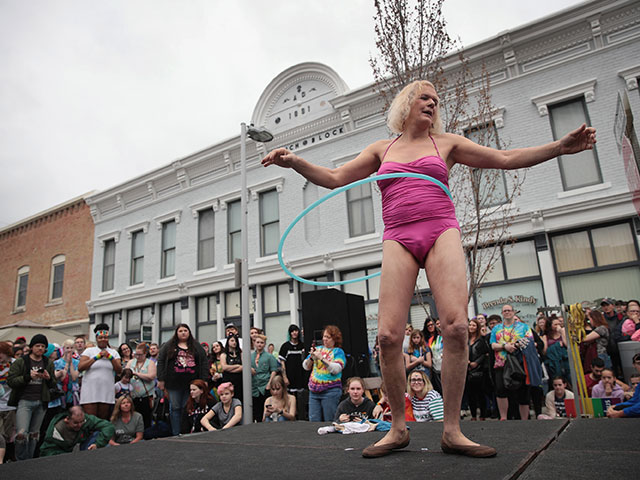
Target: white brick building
{"x":165,"y":241}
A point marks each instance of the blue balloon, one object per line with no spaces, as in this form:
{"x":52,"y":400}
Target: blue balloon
{"x":333,"y":194}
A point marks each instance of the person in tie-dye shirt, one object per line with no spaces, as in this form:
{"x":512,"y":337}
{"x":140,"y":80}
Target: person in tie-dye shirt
{"x":325,"y":385}
{"x":506,"y":337}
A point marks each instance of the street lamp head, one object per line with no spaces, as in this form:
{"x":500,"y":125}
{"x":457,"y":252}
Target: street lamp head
{"x":261,"y":135}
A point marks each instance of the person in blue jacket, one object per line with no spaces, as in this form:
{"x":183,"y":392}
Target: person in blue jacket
{"x":630,"y":408}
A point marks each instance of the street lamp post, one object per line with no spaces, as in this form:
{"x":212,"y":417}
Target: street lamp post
{"x":258,"y":135}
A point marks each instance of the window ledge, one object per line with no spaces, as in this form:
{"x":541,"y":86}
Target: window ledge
{"x":166,"y":279}
{"x":136,"y":286}
{"x":267,"y":258}
{"x":19,"y":310}
{"x":583,"y":190}
{"x":205,"y":271}
{"x":53,"y":303}
{"x":229,"y":266}
{"x":107,"y":293}
{"x":362,"y":238}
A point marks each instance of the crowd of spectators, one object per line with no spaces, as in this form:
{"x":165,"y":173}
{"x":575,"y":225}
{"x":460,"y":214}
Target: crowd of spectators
{"x":87,"y":396}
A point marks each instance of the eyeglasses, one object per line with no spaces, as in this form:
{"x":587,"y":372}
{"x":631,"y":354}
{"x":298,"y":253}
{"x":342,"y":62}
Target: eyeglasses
{"x":416,"y":380}
{"x":507,"y":310}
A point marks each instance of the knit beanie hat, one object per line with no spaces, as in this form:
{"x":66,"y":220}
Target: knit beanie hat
{"x":39,"y":338}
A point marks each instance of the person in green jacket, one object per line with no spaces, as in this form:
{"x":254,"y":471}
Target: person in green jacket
{"x":74,"y":427}
{"x":30,"y":378}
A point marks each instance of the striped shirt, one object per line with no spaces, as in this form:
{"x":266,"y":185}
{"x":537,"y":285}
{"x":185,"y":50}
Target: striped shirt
{"x":427,"y":409}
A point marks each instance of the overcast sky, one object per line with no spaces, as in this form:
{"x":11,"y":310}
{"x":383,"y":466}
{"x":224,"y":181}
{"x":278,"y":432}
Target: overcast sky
{"x":95,"y":92}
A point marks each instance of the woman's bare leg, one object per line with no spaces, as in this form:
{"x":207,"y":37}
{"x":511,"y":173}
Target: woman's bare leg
{"x":446,"y":272}
{"x":399,"y":272}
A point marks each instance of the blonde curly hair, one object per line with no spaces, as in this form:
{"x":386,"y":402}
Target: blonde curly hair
{"x":401,"y":105}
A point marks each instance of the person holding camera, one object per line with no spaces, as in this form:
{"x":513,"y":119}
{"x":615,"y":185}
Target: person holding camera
{"x":30,"y":378}
{"x":325,"y":382}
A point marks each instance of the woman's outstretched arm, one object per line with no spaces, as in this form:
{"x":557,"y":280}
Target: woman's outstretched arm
{"x":463,"y":150}
{"x":360,"y":167}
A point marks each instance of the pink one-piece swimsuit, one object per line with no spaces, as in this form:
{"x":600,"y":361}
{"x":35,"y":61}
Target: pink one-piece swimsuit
{"x":415,"y":211}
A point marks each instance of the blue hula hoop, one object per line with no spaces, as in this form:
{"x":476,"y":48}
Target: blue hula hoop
{"x":333,"y":194}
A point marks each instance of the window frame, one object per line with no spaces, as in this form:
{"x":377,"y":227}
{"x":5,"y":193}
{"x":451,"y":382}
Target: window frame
{"x":165,"y":250}
{"x":57,"y":261}
{"x":264,"y":224}
{"x":176,"y":307}
{"x":212,"y":301}
{"x":596,"y":267}
{"x":136,"y":260}
{"x":108,"y":267}
{"x":594,"y":152}
{"x":481,"y":171}
{"x":23,"y":272}
{"x":201,"y":240}
{"x":231,"y":233}
{"x":364,"y":202}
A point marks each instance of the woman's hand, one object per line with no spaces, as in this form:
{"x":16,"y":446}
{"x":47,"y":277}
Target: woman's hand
{"x":280,"y":157}
{"x":582,"y":138}
{"x":344,"y":417}
{"x":473,"y":365}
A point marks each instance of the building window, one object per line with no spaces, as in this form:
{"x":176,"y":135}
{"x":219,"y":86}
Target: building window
{"x":360,"y":210}
{"x":170,"y":318}
{"x":112,"y":319}
{"x":269,"y":223}
{"x":508,"y":262}
{"x":137,"y":257}
{"x":581,"y":169}
{"x":489,"y":185}
{"x":276,"y":312}
{"x":205,"y":239}
{"x":207,"y":318}
{"x":234,"y":227}
{"x":370,"y":290}
{"x":597,"y":262}
{"x":136,"y":317}
{"x":108,"y":265}
{"x":21,"y":287}
{"x":168,"y":249}
{"x":57,"y":277}
{"x":233,"y":308}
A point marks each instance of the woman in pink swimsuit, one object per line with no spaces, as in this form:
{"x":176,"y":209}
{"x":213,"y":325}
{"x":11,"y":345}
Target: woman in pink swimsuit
{"x":421,"y":231}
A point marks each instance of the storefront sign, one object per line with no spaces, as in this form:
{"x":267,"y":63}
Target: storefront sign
{"x":510,"y":300}
{"x":525,"y":297}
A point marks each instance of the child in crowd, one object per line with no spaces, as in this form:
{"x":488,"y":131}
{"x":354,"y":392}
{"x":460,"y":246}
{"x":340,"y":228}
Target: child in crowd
{"x":607,"y":386}
{"x":124,"y":387}
{"x":555,"y":399}
{"x":227,"y":413}
{"x":357,"y":407}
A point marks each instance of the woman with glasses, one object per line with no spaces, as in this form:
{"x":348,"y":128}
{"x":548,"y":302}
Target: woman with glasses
{"x":143,"y":382}
{"x":422,"y":402}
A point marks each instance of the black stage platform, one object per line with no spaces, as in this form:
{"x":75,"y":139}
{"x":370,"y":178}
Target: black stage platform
{"x":584,"y":449}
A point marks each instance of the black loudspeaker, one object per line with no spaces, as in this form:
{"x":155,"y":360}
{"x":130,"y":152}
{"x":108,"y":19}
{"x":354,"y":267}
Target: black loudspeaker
{"x":333,"y":307}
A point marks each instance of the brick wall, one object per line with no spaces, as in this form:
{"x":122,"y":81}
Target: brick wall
{"x":67,"y":230}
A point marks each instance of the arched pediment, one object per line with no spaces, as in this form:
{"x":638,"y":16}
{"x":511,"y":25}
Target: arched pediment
{"x":298,"y":95}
